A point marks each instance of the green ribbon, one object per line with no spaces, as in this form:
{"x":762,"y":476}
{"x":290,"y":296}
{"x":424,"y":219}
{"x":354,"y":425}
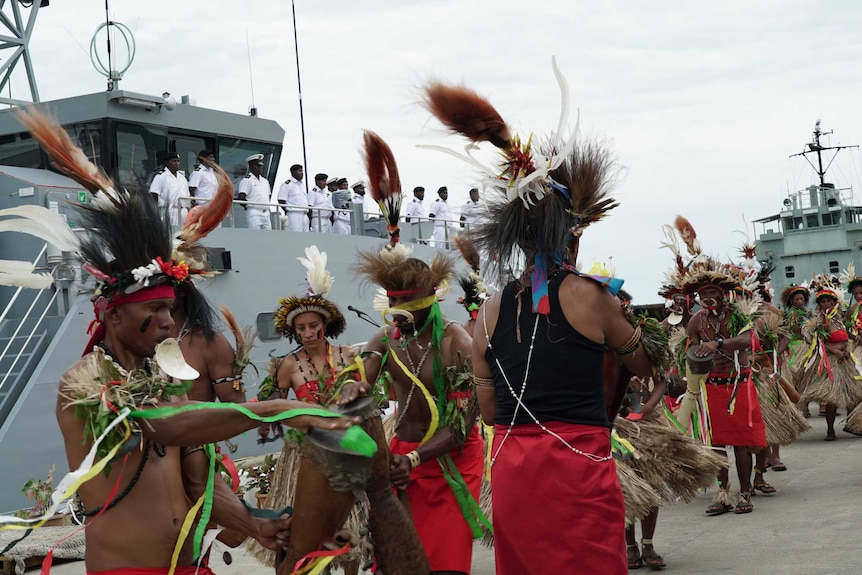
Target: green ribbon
{"x":469,"y":507}
{"x":209,"y":496}
{"x":354,"y":438}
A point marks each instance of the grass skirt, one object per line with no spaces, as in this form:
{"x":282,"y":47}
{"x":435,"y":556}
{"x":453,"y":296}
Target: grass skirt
{"x":841,"y":389}
{"x":782,"y":419}
{"x":281,"y":495}
{"x":673,"y":464}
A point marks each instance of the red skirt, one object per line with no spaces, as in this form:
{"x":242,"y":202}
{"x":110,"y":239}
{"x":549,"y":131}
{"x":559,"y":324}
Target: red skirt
{"x":556,"y":511}
{"x":441,"y":526}
{"x":181,"y":570}
{"x":741,"y":426}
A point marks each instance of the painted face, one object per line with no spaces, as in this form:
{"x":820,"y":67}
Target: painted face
{"x":309,"y":328}
{"x":826,"y":303}
{"x":680,"y":304}
{"x":407,"y":321}
{"x":711,"y":298}
{"x":798,"y":300}
{"x":141,"y":326}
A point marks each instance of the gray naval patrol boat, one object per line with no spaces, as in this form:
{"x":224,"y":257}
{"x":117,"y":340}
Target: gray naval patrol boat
{"x":44,"y":332}
{"x":818,"y":230}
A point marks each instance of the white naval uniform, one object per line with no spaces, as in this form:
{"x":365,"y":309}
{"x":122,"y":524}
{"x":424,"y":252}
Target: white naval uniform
{"x":415,"y":211}
{"x":292,"y":194}
{"x":472,"y":213}
{"x":256,"y":190}
{"x":203,"y":179}
{"x":440,"y":209}
{"x":320,"y":218}
{"x":173,"y":193}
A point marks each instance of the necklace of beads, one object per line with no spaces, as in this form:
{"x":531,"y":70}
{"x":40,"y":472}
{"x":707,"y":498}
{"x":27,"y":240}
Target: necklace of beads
{"x":415,"y":369}
{"x":520,"y":403}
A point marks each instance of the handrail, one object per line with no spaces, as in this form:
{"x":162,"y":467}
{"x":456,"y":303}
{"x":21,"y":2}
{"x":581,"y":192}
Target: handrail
{"x":20,"y":288}
{"x":29,"y":336}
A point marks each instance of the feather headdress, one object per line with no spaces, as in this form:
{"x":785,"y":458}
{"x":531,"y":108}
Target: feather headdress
{"x":41,"y":223}
{"x":791,"y":290}
{"x":848,"y":276}
{"x":384,"y":181}
{"x":827,"y":285}
{"x":398,"y":272}
{"x":318,"y":282}
{"x":541,"y":194}
{"x":701,"y":270}
{"x":473,"y":284}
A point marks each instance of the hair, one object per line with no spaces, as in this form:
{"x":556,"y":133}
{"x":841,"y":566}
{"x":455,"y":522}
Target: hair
{"x":198,"y":311}
{"x":394,"y":273}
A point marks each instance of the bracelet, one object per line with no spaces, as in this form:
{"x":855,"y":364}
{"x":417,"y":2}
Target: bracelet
{"x":413,"y":458}
{"x":483,"y":381}
{"x":632,"y":344}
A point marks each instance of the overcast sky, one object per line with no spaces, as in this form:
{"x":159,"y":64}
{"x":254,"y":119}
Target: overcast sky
{"x":702,"y":102}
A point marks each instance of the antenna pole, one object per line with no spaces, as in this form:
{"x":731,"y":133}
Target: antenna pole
{"x":299,"y":88}
{"x":108,"y":37}
{"x":253,"y":111}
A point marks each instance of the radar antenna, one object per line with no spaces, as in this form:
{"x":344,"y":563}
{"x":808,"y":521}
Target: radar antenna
{"x":13,"y":14}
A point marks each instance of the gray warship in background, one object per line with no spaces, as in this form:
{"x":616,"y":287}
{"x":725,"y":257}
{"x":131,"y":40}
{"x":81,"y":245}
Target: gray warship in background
{"x":44,"y":332}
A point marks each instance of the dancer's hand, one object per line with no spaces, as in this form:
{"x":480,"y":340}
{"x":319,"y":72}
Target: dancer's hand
{"x":399,"y":471}
{"x":706,"y":348}
{"x":304,"y":422}
{"x":353,"y":390}
{"x":274,"y":534}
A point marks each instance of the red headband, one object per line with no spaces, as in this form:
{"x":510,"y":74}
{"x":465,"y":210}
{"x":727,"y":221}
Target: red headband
{"x":401,"y":293}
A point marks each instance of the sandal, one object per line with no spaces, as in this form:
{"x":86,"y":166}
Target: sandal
{"x":634,"y":563}
{"x":717,"y":508}
{"x":764,"y":488}
{"x":652,"y":559}
{"x":745,"y":505}
{"x":779,"y":466}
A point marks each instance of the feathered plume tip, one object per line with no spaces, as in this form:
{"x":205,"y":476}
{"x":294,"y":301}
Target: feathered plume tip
{"x":688,"y":235}
{"x":203,"y":219}
{"x":244,"y":340}
{"x":384,"y":181}
{"x":748,"y":249}
{"x":65,"y":155}
{"x":43,"y":224}
{"x":465,"y":112}
{"x":672,"y":244}
{"x":318,"y":280}
{"x":469,"y":253}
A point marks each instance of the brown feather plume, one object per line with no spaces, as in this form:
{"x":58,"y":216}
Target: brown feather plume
{"x":244,"y":340}
{"x":465,"y":112}
{"x":204,"y":219}
{"x":688,"y":235}
{"x":66,"y":156}
{"x":384,"y":180}
{"x":469,"y":253}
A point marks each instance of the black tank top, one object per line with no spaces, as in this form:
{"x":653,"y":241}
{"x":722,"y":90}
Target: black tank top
{"x":565,"y":379}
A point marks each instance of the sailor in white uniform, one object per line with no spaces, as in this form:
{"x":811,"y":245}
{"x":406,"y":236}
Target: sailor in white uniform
{"x":171,"y":190}
{"x":439,"y":212}
{"x":203,"y":182}
{"x":415,"y":209}
{"x":293,"y":195}
{"x":319,"y":197}
{"x":471,"y":212}
{"x":255,"y":188}
{"x":342,"y":200}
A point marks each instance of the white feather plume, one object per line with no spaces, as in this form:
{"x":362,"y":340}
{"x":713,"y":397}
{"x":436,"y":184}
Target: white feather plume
{"x":42,"y":223}
{"x":23,"y":276}
{"x":318,"y":279}
{"x":848,"y":275}
{"x":672,"y":242}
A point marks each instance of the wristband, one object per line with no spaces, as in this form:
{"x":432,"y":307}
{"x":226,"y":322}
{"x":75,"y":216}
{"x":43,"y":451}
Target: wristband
{"x":413,"y":458}
{"x":720,"y":342}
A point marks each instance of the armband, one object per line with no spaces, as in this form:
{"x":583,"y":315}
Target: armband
{"x":414,"y":459}
{"x":188,"y":450}
{"x":632,"y":344}
{"x":483,"y":381}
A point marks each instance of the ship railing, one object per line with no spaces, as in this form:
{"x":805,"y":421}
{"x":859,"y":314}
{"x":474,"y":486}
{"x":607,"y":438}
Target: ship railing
{"x":415,"y":229}
{"x":27,"y":329}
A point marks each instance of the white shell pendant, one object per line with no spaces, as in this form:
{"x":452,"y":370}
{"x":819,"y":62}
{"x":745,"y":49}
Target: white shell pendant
{"x":170,"y":359}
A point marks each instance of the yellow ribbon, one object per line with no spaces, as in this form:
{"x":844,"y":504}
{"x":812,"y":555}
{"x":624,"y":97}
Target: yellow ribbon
{"x":432,"y":405}
{"x":184,"y":532}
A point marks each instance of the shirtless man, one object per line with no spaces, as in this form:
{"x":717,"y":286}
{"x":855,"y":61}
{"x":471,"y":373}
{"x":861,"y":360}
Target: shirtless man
{"x":204,"y":348}
{"x":741,"y":427}
{"x":410,"y":351}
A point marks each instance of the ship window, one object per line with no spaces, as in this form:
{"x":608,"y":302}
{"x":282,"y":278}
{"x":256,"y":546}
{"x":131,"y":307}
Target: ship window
{"x":88,"y":136}
{"x":20,"y":150}
{"x":832,"y":219}
{"x":232,"y":155}
{"x":788,"y":272}
{"x":139,"y":151}
{"x":266,"y":327}
{"x":834,"y":268}
{"x":812,"y":221}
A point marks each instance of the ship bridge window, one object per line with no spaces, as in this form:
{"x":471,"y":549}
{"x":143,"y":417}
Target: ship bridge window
{"x":812,"y":221}
{"x":232,"y":155}
{"x":832,"y":219}
{"x":788,"y":272}
{"x":791,"y":224}
{"x":140,"y":149}
{"x":20,"y":150}
{"x":834,"y":268}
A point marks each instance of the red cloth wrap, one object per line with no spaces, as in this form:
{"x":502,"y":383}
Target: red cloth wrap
{"x":309,"y":392}
{"x":743,"y":428}
{"x":439,"y":522}
{"x":180,"y":570}
{"x":838,"y":336}
{"x":556,"y":511}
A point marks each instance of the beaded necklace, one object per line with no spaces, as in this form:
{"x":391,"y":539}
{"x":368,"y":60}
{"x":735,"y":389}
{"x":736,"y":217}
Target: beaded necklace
{"x":519,"y":398}
{"x":415,"y":369}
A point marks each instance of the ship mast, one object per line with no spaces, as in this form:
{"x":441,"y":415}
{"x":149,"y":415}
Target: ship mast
{"x":815,"y":147}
